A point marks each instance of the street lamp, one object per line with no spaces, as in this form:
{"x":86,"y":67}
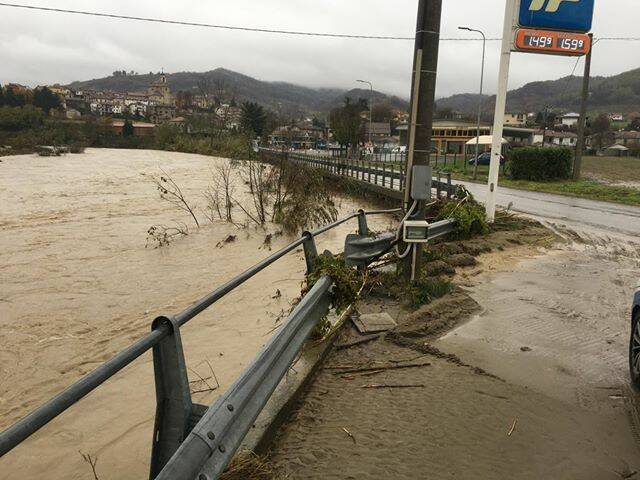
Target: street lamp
{"x":484,"y":49}
{"x":370,"y":109}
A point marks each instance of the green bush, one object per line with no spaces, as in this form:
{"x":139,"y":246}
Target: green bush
{"x":471,"y":218}
{"x":540,"y":163}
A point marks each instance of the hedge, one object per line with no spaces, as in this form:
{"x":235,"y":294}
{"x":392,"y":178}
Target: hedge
{"x":540,"y":163}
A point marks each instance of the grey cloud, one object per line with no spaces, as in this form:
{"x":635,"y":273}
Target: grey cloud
{"x":38,"y":48}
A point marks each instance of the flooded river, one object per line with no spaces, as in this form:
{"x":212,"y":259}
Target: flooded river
{"x":77,"y":285}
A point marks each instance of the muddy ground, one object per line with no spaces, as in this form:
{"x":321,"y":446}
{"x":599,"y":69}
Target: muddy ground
{"x":520,"y":373}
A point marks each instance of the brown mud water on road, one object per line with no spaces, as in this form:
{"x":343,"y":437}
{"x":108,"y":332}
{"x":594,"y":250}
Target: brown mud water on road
{"x":478,"y":409}
{"x":77,"y":285}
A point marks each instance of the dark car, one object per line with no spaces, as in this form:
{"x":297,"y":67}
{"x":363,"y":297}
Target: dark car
{"x":634,"y":343}
{"x":485,"y":159}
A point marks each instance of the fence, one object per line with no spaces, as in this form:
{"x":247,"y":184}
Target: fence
{"x":205,"y":439}
{"x":389,"y":175}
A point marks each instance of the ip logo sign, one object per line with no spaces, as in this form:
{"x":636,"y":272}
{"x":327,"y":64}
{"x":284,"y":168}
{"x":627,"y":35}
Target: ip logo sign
{"x":567,"y":15}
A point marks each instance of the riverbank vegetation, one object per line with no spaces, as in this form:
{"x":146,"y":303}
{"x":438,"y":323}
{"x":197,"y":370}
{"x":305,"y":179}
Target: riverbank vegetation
{"x":249,"y":193}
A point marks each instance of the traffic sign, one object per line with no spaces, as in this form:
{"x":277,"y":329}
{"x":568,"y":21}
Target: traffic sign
{"x":566,"y":15}
{"x":552,"y":42}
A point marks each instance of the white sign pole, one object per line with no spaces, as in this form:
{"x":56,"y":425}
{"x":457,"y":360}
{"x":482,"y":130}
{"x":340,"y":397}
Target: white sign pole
{"x":510,"y":22}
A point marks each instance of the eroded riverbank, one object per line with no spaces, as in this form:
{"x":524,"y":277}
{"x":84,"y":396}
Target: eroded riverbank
{"x":77,"y":284}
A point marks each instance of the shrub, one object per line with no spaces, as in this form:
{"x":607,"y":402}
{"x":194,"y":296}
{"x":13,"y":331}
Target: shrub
{"x":471,"y":218}
{"x":540,"y":163}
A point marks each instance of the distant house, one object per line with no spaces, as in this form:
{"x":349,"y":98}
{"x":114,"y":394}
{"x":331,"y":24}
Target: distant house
{"x":616,"y":117}
{"x":558,"y":139}
{"x":627,"y":139}
{"x":161,"y":113}
{"x":568,"y":120}
{"x":380,"y":133}
{"x":140,"y":129}
{"x":72,"y":114}
{"x":179,"y":122}
{"x":515,"y":119}
{"x":448,"y":136}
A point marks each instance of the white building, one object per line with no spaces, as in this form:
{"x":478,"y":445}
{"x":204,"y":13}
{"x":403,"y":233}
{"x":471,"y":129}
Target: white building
{"x":555,"y":139}
{"x":568,"y":120}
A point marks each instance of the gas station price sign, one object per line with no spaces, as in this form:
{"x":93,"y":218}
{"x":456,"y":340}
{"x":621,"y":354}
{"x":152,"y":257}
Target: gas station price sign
{"x":552,"y":42}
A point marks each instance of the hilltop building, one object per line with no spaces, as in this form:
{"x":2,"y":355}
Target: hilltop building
{"x":160,"y":93}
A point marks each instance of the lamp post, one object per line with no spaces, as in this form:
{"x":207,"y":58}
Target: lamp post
{"x":370,"y":110}
{"x":484,"y":49}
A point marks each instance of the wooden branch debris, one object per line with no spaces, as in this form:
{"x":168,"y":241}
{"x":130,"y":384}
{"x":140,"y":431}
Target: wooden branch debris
{"x":381,"y":368}
{"x":513,"y":428}
{"x":359,"y":341}
{"x":384,"y":385}
{"x":349,"y":434}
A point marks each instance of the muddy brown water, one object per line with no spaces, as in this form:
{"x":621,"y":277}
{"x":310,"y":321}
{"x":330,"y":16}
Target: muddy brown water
{"x":77,"y":285}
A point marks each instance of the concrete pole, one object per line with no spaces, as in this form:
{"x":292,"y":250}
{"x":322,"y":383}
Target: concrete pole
{"x":577,"y":161}
{"x":425,"y":68}
{"x":501,"y":103}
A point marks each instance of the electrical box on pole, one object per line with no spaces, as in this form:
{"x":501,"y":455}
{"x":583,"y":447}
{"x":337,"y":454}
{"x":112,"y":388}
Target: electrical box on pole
{"x":554,"y":27}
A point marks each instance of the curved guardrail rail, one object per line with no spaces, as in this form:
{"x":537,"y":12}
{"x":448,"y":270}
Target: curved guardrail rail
{"x":191,"y":439}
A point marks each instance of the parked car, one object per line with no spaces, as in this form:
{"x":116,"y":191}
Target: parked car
{"x":485,"y":159}
{"x":634,"y":342}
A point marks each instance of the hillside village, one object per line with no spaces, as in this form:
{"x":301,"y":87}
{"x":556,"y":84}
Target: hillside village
{"x":139,"y":113}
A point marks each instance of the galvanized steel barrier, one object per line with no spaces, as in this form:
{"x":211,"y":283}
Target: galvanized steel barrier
{"x":385,"y":174}
{"x":189,"y":440}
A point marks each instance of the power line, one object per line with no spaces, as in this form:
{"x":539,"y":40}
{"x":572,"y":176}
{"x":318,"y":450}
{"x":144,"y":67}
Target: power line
{"x":254,"y":29}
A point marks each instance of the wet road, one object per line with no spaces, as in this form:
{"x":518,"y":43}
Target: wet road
{"x":572,"y":212}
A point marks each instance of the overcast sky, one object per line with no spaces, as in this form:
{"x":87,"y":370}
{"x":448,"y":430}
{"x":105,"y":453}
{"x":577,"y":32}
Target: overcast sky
{"x":44,"y":48}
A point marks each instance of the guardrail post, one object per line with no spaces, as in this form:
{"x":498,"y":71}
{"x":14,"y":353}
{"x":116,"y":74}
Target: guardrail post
{"x":438,"y":184}
{"x":384,"y":174}
{"x":393,"y":175}
{"x":176,"y":415}
{"x":363,"y":228}
{"x":449,"y":186}
{"x":310,"y":250}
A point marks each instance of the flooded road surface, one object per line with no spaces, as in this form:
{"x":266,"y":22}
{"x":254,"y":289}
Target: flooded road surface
{"x":77,"y":285}
{"x":558,"y":325}
{"x":577,"y":213}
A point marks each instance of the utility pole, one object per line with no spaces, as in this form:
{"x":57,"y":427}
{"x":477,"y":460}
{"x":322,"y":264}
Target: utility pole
{"x":586,"y":79}
{"x":423,"y":91}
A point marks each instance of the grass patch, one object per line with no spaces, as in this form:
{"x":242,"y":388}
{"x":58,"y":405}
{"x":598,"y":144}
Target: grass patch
{"x":614,"y":169}
{"x":620,"y":170}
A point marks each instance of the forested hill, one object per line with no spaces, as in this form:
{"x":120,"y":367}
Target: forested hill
{"x":278,"y":96}
{"x":616,"y":94}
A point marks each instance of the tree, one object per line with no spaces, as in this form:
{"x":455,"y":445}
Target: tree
{"x":1,"y":96}
{"x":254,"y":118}
{"x":46,"y":100}
{"x":20,"y":118}
{"x":347,"y":123}
{"x":13,"y":99}
{"x":382,"y":113}
{"x":634,"y":125}
{"x":601,"y":130}
{"x":184,"y":100}
{"x":127,"y":129}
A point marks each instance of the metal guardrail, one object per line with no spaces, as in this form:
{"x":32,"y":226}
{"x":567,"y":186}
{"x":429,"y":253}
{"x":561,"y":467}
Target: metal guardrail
{"x":191,"y":439}
{"x":382,"y":174}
